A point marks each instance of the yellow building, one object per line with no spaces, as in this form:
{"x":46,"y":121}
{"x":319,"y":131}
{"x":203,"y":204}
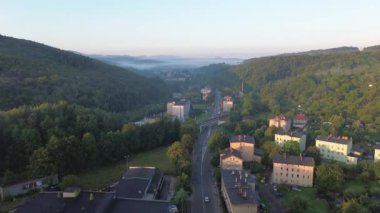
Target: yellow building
{"x":293,"y":170}
{"x":336,"y":148}
{"x":280,"y":121}
{"x":245,"y":144}
{"x":377,"y":152}
{"x":227,"y":104}
{"x":238,"y":191}
{"x":230,"y":159}
{"x":280,"y":137}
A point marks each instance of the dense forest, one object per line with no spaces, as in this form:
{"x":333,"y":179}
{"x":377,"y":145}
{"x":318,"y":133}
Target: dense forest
{"x":337,"y":88}
{"x":67,"y":138}
{"x":33,"y":73}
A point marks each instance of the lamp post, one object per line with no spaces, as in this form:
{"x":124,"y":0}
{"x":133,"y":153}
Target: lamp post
{"x":127,"y":159}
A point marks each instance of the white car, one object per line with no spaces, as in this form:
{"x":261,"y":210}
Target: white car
{"x":207,"y":199}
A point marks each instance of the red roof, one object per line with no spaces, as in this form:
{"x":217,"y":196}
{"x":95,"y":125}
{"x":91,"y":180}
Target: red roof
{"x":280,"y":117}
{"x":300,"y":116}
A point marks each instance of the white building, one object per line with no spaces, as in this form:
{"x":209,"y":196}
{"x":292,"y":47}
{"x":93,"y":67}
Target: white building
{"x":280,"y":121}
{"x":205,"y":93}
{"x":179,"y":109}
{"x":377,"y":152}
{"x":336,"y":148}
{"x":227,"y":104}
{"x":280,"y":137}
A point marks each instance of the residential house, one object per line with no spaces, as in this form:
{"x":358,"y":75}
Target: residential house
{"x":179,"y":109}
{"x":245,"y":144}
{"x":280,"y":137}
{"x":280,"y":121}
{"x":238,"y":191}
{"x":139,"y":191}
{"x":300,"y":120}
{"x":336,"y":148}
{"x":377,"y":152}
{"x":231,"y":159}
{"x":26,"y":186}
{"x":293,"y":170}
{"x":227,"y":104}
{"x":205,"y":93}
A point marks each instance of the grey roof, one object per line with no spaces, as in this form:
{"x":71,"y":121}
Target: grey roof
{"x":377,"y":146}
{"x":242,"y":138}
{"x":227,"y":152}
{"x":132,"y":188}
{"x":181,"y":102}
{"x":236,"y":187}
{"x":297,"y":134}
{"x":140,"y":172}
{"x":339,"y":140}
{"x":139,"y":206}
{"x":102,"y":203}
{"x":293,"y":159}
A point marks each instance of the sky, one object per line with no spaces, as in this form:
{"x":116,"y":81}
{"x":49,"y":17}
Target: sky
{"x":193,"y":28}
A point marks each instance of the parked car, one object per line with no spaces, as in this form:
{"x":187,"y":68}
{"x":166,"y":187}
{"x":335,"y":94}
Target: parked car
{"x":173,"y":209}
{"x":207,"y":199}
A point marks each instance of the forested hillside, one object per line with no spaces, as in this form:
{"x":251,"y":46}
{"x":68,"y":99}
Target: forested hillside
{"x":338,"y":87}
{"x":216,"y":76}
{"x":33,"y":73}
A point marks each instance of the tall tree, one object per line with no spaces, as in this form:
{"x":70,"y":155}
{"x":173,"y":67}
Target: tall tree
{"x":329,"y":177}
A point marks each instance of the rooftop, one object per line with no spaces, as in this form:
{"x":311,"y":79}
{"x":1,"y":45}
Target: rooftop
{"x":242,"y":138}
{"x":297,"y":134}
{"x":100,"y":202}
{"x":227,"y":152}
{"x":300,"y":116}
{"x":181,"y":102}
{"x":132,"y":188}
{"x":293,"y":159}
{"x":227,"y":98}
{"x":238,"y":185}
{"x":280,"y":117}
{"x":140,"y":172}
{"x":340,"y":140}
{"x":377,"y":146}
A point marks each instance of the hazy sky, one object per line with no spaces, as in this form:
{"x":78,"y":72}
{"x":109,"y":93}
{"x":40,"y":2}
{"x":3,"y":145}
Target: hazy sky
{"x":193,"y":28}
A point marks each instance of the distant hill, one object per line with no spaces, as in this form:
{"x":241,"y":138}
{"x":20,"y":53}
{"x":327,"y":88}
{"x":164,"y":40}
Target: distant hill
{"x":33,"y":73}
{"x":327,"y":51}
{"x":341,"y":82}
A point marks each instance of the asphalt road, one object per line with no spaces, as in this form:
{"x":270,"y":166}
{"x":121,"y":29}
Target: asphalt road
{"x":203,"y":183}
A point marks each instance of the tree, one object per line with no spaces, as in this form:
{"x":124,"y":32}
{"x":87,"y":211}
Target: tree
{"x":298,"y":204}
{"x":313,"y":151}
{"x":216,"y":142}
{"x":329,"y":177}
{"x":270,"y":149}
{"x":180,"y":197}
{"x":69,"y":180}
{"x":188,"y":142}
{"x":247,"y":105}
{"x":291,"y":147}
{"x":176,"y":153}
{"x":40,"y":164}
{"x":376,"y":168}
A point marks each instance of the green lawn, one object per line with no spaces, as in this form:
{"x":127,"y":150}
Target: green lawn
{"x":102,"y":177}
{"x":315,"y":204}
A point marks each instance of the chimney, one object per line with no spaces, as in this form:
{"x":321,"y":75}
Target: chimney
{"x":245,"y":180}
{"x":285,"y":155}
{"x":236,"y":180}
{"x":301,"y":157}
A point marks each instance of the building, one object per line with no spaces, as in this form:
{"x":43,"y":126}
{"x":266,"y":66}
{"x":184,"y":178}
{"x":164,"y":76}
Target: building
{"x":238,"y":191}
{"x":300,"y":120}
{"x":231,"y":159}
{"x":245,"y":145}
{"x":293,"y":170}
{"x":280,"y":121}
{"x":26,"y":186}
{"x":139,"y":191}
{"x":205,"y":93}
{"x":376,"y":157}
{"x":227,"y":104}
{"x":336,"y":148}
{"x":280,"y":137}
{"x":179,"y":109}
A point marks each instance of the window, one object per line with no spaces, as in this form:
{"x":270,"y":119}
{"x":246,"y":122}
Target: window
{"x":298,"y":176}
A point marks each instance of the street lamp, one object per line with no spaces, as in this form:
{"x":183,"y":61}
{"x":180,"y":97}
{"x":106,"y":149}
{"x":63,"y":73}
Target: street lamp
{"x":127,"y":158}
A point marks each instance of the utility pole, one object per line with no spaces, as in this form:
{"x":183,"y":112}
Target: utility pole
{"x":127,"y":159}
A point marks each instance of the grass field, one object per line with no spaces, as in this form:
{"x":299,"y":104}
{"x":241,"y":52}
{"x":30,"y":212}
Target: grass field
{"x":102,"y":177}
{"x":315,"y":204}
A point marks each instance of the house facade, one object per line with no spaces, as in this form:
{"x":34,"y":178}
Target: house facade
{"x":280,"y":137}
{"x":245,"y":144}
{"x":300,"y":120}
{"x":377,"y":153}
{"x":336,"y":148}
{"x":179,"y":109}
{"x":280,"y":121}
{"x":205,"y":93}
{"x":293,"y":170}
{"x":227,"y":103}
{"x":230,"y":159}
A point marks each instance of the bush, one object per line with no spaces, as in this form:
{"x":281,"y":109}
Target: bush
{"x":69,"y":180}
